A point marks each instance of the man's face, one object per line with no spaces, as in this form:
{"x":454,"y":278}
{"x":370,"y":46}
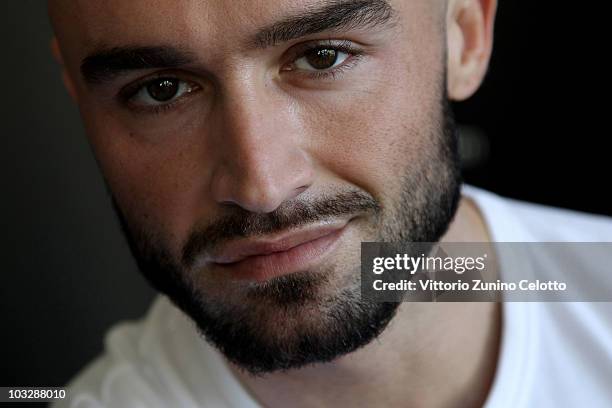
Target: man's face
{"x":250,"y":147}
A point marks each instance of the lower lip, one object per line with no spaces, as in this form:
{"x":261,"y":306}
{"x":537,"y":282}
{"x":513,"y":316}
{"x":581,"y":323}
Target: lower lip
{"x":260,"y":268}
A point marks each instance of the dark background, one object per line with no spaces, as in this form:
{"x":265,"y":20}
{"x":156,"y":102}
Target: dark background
{"x":537,"y":131}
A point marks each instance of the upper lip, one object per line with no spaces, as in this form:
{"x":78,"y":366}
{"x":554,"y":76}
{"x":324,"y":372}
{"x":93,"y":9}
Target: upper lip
{"x":238,"y":250}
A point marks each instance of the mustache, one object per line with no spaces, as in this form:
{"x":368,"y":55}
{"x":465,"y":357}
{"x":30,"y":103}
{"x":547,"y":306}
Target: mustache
{"x":240,"y":223}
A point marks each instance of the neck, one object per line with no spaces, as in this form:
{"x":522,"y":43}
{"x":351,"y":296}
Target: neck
{"x":430,"y":355}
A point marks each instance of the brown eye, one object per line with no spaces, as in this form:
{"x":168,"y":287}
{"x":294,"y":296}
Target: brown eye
{"x":163,"y":89}
{"x":322,"y":58}
{"x":319,"y":59}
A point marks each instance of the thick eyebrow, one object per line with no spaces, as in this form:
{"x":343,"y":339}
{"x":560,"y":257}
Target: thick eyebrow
{"x":105,"y":64}
{"x":332,"y":15}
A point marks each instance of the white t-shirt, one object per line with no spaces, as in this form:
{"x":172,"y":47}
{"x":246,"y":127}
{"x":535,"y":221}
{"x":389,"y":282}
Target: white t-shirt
{"x":552,"y":354}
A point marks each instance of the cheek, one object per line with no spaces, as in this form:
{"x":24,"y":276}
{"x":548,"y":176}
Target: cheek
{"x":156,"y":185}
{"x":385,"y":126}
{"x":372,"y":138}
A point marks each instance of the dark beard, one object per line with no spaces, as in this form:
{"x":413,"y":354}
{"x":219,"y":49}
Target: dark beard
{"x":286,"y":323}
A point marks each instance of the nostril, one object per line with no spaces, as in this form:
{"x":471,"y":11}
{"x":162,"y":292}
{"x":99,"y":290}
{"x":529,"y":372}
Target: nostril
{"x":228,"y":203}
{"x":300,"y":190}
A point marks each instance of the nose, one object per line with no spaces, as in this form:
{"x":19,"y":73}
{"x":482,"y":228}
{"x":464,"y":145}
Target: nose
{"x":261,"y":157}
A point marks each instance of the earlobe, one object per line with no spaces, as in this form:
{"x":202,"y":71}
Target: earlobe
{"x":57,"y":55}
{"x":469,"y":43}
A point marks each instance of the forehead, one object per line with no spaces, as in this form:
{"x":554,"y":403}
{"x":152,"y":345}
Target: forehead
{"x":144,"y":20}
{"x":91,"y":23}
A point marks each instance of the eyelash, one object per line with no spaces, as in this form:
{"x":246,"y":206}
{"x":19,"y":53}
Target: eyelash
{"x":354,"y":55}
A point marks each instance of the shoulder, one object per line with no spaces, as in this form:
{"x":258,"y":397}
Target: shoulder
{"x":159,"y":361}
{"x":549,"y":243}
{"x":515,"y":220}
{"x":547,"y":345}
{"x":558,"y":224}
{"x":137,"y":367}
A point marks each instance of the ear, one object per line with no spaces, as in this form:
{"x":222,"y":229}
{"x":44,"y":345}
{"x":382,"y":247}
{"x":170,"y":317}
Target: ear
{"x":470,"y":41}
{"x":57,"y":55}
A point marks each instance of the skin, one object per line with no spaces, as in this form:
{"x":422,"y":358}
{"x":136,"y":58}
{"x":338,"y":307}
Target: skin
{"x":172,"y":170}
